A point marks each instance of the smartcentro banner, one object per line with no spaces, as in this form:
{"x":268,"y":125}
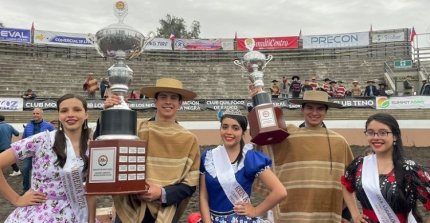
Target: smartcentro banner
{"x":403,"y":102}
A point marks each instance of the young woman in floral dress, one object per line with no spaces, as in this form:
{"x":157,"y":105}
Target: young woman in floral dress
{"x":58,"y":159}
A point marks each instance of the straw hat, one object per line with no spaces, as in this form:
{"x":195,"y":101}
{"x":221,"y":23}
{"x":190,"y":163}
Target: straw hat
{"x":355,"y":81}
{"x":169,"y":85}
{"x":316,"y":97}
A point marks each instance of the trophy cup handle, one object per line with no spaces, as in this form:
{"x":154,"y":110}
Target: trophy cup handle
{"x":148,"y":38}
{"x":238,"y":63}
{"x":269,"y":58}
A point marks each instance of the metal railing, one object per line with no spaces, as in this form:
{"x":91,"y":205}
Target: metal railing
{"x":387,"y":51}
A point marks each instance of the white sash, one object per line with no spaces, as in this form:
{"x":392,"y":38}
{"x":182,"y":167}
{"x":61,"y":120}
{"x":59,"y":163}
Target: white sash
{"x":71,"y":177}
{"x":370,"y":181}
{"x":225,"y":173}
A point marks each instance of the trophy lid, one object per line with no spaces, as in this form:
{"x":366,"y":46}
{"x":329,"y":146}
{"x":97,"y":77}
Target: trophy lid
{"x":119,"y":40}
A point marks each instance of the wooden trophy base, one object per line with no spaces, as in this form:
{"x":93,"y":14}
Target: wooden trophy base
{"x":266,"y":124}
{"x":116,"y":166}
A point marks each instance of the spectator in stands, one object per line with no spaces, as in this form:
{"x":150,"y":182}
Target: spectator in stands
{"x":382,"y":91}
{"x":370,"y":90}
{"x":55,"y":155}
{"x":6,"y":133}
{"x":296,"y":87}
{"x":400,"y":183}
{"x":235,"y":163}
{"x":408,"y":87}
{"x":314,"y":83}
{"x":29,"y":94}
{"x":355,"y":89}
{"x":306,"y":86}
{"x":332,"y":89}
{"x":36,"y":125}
{"x":274,"y":89}
{"x":425,"y":89}
{"x":172,"y":176}
{"x":133,"y":95}
{"x":340,"y":90}
{"x":91,"y":86}
{"x":104,"y":84}
{"x":326,"y":85}
{"x":310,"y":161}
{"x":285,"y":86}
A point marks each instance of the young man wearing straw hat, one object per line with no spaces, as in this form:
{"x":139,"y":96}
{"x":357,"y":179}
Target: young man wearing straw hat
{"x":310,"y":162}
{"x":173,"y":159}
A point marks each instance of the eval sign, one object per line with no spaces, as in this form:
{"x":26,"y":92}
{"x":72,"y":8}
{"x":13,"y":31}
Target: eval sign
{"x":15,"y":35}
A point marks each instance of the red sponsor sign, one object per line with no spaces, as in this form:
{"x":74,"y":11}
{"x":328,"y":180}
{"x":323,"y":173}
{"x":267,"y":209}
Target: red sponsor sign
{"x":271,"y":43}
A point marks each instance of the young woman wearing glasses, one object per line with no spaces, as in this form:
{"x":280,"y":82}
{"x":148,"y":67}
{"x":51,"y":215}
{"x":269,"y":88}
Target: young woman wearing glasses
{"x":384,"y":182}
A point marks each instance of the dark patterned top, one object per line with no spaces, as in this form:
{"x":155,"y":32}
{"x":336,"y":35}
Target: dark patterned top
{"x":417,"y":186}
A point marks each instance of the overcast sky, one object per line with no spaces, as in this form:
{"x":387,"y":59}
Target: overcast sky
{"x":222,"y":18}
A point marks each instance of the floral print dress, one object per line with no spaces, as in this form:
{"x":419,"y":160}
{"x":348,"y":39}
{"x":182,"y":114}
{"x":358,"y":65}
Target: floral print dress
{"x":417,"y":187}
{"x":45,"y":178}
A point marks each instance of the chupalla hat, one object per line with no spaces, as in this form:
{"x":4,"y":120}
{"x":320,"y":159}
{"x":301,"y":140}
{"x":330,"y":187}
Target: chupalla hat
{"x":169,"y":85}
{"x":316,"y":97}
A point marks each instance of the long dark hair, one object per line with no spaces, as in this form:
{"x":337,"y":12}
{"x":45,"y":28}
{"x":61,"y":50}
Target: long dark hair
{"x":398,"y":157}
{"x":243,"y":122}
{"x":60,"y":138}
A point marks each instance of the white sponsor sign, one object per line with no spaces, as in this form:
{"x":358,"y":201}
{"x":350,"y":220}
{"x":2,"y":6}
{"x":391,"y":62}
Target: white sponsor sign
{"x":388,"y":37}
{"x":11,"y":104}
{"x":62,"y":38}
{"x":336,"y":40}
{"x":159,"y":44}
{"x":403,"y":102}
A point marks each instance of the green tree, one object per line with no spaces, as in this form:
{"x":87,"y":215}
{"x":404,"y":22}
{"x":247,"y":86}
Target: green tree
{"x":172,"y":24}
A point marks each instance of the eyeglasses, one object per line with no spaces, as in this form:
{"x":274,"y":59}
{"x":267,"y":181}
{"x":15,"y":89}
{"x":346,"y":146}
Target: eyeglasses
{"x":380,"y":133}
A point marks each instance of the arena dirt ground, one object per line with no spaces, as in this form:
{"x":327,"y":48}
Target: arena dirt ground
{"x":421,"y":155}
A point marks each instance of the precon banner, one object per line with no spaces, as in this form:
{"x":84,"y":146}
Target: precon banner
{"x":270,"y":43}
{"x":15,"y":35}
{"x":336,"y":40}
{"x":65,"y":39}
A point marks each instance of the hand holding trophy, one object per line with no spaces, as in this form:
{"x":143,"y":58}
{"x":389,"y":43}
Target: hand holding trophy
{"x":267,"y":125}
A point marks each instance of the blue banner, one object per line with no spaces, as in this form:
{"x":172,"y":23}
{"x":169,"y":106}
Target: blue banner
{"x":15,"y":35}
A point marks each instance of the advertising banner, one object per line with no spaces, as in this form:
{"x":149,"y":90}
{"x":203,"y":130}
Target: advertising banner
{"x":159,"y":44}
{"x":388,"y":37}
{"x":198,"y":44}
{"x":336,"y":40}
{"x":200,"y":105}
{"x":270,"y":43}
{"x":11,"y":104}
{"x":64,"y":39}
{"x":15,"y":35}
{"x":411,"y":102}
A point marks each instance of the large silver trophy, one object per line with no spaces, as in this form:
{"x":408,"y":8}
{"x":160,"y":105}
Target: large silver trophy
{"x":117,"y":157}
{"x":267,"y":125}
